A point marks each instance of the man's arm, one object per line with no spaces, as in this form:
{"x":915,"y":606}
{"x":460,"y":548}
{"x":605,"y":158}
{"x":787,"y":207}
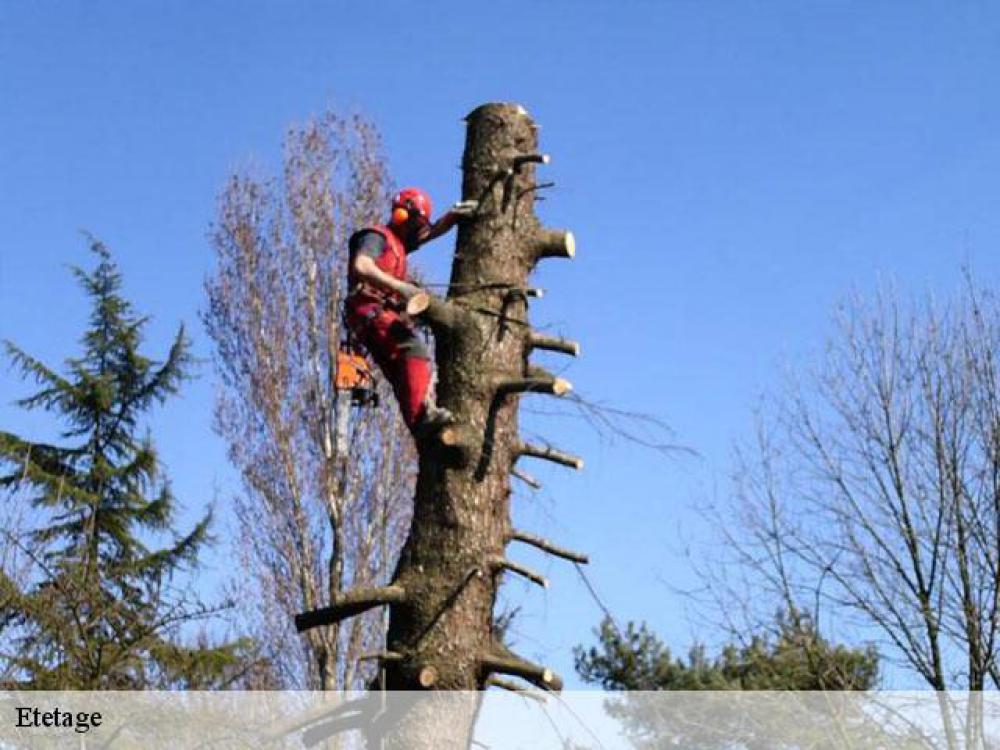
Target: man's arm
{"x":366,"y":247}
{"x":459,"y":211}
{"x":367,"y":271}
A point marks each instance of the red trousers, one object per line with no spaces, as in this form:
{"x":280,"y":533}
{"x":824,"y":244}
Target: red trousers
{"x":399,"y":353}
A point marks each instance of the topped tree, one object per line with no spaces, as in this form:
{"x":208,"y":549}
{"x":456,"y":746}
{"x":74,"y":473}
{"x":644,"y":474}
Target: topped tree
{"x":442,"y":633}
{"x":98,"y":610}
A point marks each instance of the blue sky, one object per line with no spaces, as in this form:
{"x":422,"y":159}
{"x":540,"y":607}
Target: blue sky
{"x":730,"y":169}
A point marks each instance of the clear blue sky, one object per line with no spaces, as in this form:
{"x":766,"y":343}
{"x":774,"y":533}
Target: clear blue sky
{"x":730,"y":170}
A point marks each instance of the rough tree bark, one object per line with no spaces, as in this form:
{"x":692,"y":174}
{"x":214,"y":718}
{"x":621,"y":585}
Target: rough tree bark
{"x":442,"y":594}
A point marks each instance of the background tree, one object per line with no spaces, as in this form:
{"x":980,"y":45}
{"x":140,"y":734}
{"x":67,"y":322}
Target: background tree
{"x":873,"y":489}
{"x":326,"y":486}
{"x":87,"y":604}
{"x":877,"y":484}
{"x":797,"y":659}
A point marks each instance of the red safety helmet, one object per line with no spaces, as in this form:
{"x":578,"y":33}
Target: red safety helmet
{"x":411,"y":202}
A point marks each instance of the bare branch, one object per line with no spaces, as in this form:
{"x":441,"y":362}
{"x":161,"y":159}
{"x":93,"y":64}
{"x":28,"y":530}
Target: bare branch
{"x":504,"y":662}
{"x":513,"y":687}
{"x":640,"y":428}
{"x":519,"y":161}
{"x":349,"y":604}
{"x":526,"y":478}
{"x":547,"y":453}
{"x":543,"y":544}
{"x":498,"y":562}
{"x":553,"y":344}
{"x":535,"y":383}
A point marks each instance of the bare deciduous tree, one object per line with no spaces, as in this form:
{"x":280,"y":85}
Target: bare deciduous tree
{"x":874,"y":486}
{"x":323,"y":509}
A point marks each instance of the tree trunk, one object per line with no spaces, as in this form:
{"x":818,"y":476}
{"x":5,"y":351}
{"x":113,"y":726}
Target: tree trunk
{"x":461,"y":512}
{"x":441,"y":633}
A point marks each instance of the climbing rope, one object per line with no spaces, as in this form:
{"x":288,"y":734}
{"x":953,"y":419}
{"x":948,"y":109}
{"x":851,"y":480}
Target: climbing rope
{"x":468,"y":288}
{"x":597,"y":599}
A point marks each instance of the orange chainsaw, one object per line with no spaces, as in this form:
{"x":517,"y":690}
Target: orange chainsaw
{"x":354,"y":375}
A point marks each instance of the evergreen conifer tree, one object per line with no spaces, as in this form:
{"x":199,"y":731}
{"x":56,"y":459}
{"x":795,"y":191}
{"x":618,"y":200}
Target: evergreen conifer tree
{"x":101,"y":607}
{"x":793,"y":657}
{"x":796,"y":658}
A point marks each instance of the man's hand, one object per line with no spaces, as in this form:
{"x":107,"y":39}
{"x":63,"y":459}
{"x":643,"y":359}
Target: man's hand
{"x":368,"y":271}
{"x":464,"y":209}
{"x":406,"y":290}
{"x":461,"y":210}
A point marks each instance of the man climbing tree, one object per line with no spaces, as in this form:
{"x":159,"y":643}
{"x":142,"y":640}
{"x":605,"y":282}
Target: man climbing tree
{"x":441,"y":596}
{"x":379,"y":288}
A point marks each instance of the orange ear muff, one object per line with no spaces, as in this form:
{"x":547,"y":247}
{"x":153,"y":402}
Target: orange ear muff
{"x":400,"y":215}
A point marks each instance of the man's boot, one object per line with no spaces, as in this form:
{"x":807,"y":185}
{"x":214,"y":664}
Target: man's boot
{"x":435,"y":417}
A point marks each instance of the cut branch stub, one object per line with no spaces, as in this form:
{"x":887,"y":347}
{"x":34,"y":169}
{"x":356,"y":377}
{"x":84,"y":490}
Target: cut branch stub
{"x":509,"y":173}
{"x":553,"y":344}
{"x":547,"y":453}
{"x":523,"y":292}
{"x":349,"y":604}
{"x":535,"y":383}
{"x":513,"y":687}
{"x":440,"y":313}
{"x":562,"y":386}
{"x":505,"y":662}
{"x":458,"y":441}
{"x":526,"y":478}
{"x":499,"y":562}
{"x":544,"y":544}
{"x":428,"y":676}
{"x":519,"y":161}
{"x":554,"y":243}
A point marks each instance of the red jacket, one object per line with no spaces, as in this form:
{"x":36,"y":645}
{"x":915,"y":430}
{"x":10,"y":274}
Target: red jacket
{"x":392,"y":261}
